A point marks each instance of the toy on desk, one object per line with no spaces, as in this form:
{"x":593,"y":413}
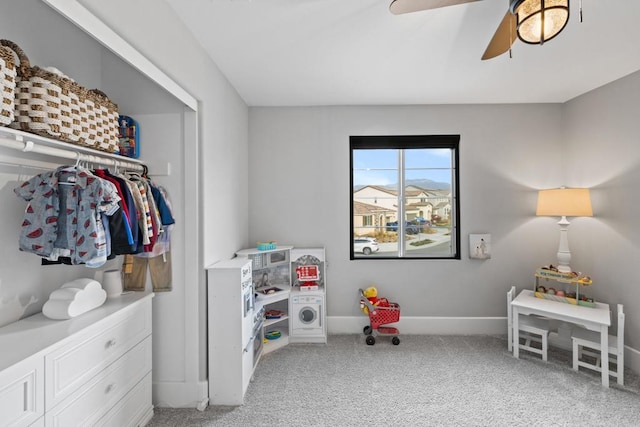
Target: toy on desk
{"x":575,"y":279}
{"x":74,"y":298}
{"x":551,"y":272}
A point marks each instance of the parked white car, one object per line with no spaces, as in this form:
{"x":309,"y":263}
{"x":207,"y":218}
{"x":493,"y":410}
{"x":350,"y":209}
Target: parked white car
{"x":365,"y":245}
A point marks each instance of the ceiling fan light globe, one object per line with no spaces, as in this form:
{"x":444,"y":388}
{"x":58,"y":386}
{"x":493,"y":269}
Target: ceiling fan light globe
{"x":539,"y":21}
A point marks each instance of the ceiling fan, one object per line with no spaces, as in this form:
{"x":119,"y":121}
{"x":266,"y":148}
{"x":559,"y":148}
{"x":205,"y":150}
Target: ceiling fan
{"x":532,"y":21}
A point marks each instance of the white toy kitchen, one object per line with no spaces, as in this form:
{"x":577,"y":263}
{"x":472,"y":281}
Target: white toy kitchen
{"x":258,"y":302}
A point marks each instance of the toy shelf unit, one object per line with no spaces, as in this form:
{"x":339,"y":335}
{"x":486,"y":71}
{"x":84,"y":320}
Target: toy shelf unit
{"x":271,"y":276}
{"x":567,"y":287}
{"x":275,"y":329}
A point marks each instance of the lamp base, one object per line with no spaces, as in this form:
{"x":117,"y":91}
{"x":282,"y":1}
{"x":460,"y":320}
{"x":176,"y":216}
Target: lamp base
{"x":564,"y":255}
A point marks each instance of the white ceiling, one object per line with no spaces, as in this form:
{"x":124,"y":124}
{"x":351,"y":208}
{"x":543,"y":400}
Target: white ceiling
{"x":355,"y":52}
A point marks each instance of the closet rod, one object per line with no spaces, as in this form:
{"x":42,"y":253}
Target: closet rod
{"x":31,"y":147}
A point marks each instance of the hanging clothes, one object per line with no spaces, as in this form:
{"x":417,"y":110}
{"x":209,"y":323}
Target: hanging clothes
{"x":135,"y":272}
{"x":158,"y":258}
{"x":147,"y":224}
{"x":63,"y":214}
{"x":152,"y":218}
{"x":123,"y":240}
{"x":140,"y":210}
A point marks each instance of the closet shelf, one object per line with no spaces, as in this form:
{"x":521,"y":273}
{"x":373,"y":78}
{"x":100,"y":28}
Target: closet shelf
{"x":27,"y":142}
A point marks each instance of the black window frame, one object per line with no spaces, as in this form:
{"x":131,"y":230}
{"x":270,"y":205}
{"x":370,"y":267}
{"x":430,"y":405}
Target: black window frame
{"x":451,"y":142}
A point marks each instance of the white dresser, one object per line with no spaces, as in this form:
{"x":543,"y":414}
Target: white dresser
{"x":92,"y":370}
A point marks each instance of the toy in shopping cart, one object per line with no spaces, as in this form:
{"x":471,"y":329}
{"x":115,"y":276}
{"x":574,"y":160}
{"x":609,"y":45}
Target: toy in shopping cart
{"x":371,"y":293}
{"x":381,"y":313}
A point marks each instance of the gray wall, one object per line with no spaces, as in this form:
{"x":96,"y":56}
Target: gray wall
{"x":299,"y":194}
{"x":602,"y":152}
{"x":507,"y":152}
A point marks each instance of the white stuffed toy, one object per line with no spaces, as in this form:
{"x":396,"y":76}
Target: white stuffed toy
{"x":74,"y":298}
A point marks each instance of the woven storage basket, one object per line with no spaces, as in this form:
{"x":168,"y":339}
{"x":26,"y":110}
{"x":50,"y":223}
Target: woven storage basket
{"x":52,"y":105}
{"x":7,"y":86}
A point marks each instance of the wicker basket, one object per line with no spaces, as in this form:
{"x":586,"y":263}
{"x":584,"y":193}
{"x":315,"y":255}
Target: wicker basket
{"x":50,"y":104}
{"x":7,"y":86}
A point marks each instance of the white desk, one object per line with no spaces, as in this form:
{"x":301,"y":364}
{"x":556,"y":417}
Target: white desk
{"x":595,"y":318}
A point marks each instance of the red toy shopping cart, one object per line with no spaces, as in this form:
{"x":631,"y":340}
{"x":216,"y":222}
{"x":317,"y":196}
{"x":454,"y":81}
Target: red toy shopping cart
{"x":379,"y":316}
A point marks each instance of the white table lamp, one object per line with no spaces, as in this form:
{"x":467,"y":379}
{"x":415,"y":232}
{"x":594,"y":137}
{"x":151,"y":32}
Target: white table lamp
{"x":564,"y":202}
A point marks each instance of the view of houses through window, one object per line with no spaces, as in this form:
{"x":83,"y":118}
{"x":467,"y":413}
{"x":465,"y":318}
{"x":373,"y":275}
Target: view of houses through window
{"x":404,"y":200}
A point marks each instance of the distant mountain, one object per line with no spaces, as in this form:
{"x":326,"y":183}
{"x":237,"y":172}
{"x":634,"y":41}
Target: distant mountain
{"x":428,"y":184}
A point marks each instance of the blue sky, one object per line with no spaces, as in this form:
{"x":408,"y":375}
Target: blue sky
{"x":380,"y":167}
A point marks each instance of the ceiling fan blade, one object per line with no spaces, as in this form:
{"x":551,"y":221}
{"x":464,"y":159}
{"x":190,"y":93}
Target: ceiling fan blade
{"x":398,"y":7}
{"x":503,"y":38}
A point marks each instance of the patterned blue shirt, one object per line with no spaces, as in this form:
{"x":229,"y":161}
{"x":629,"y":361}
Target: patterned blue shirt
{"x":73,"y":225}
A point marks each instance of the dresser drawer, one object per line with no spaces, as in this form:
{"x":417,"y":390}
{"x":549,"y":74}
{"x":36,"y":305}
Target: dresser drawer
{"x":134,"y":410}
{"x":87,"y":405}
{"x":71,"y":366}
{"x":22,"y":393}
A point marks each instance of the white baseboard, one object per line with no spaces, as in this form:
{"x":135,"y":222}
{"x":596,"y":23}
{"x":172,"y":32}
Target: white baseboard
{"x":425,"y":325}
{"x":168,"y":394}
{"x":146,"y":418}
{"x":632,"y":359}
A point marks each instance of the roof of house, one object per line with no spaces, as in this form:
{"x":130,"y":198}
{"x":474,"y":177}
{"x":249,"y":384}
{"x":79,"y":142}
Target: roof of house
{"x":379,"y":188}
{"x":410,"y":190}
{"x":360,"y":208}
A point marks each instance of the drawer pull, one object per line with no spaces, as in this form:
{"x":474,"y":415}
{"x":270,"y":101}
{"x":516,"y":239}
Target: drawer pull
{"x":25,"y":397}
{"x":109,"y":388}
{"x":110,"y":343}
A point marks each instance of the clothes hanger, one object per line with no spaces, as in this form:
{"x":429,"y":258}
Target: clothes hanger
{"x":74,"y":168}
{"x":136,"y":175}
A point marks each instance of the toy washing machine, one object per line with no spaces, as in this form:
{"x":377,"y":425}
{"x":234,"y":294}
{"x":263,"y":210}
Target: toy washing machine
{"x":307,"y":317}
{"x":307,"y":301}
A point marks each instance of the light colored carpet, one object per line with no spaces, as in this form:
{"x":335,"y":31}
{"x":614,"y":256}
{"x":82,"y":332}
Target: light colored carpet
{"x":425,"y":381}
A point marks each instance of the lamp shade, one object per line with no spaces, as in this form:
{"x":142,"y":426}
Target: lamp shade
{"x":539,"y":20}
{"x":564,"y":202}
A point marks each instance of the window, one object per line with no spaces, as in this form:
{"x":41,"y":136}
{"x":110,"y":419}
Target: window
{"x":404,"y":197}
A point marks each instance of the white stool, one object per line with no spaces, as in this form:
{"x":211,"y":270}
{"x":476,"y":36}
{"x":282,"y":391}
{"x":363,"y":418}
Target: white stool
{"x":582,"y":338}
{"x":532,"y":329}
